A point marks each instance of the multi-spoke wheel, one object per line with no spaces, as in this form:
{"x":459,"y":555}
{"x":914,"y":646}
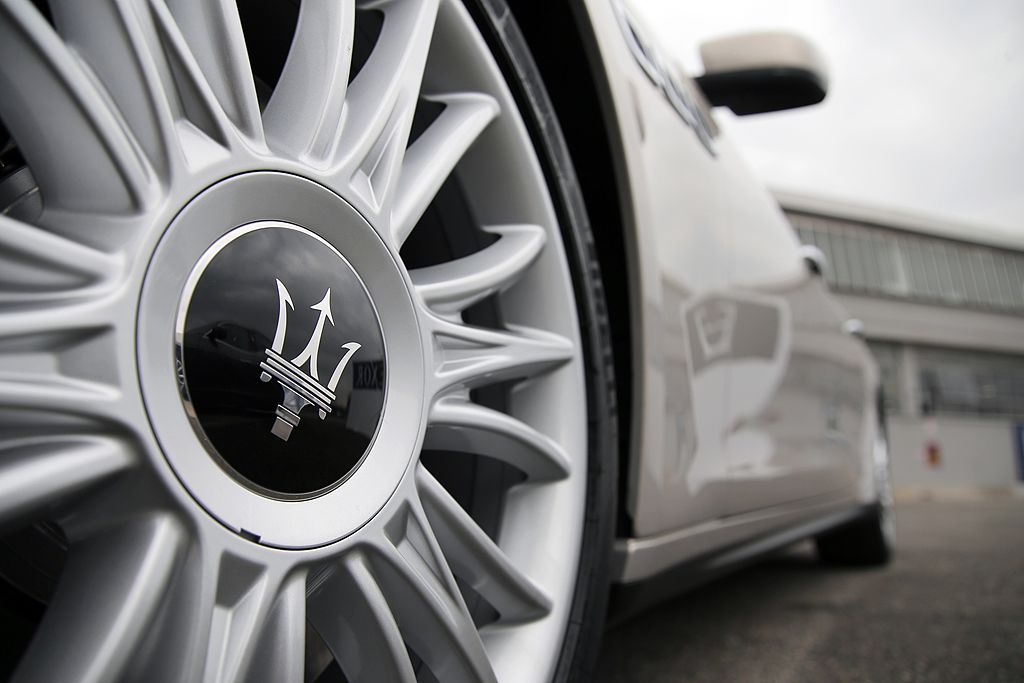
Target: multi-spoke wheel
{"x":303,"y":364}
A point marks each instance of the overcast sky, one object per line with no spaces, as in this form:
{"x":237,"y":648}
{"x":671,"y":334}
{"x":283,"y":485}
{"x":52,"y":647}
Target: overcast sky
{"x":925,"y":110}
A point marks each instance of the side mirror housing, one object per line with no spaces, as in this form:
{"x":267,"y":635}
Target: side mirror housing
{"x":814,"y":259}
{"x":753,"y":73}
{"x":854,"y":328}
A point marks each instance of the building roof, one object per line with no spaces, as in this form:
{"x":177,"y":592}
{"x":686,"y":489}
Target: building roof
{"x":900,"y":220}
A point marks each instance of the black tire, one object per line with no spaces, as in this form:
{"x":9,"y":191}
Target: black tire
{"x":861,"y":543}
{"x":587,"y":614}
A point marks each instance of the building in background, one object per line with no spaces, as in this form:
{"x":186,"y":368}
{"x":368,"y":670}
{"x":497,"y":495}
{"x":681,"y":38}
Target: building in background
{"x":943,"y":310}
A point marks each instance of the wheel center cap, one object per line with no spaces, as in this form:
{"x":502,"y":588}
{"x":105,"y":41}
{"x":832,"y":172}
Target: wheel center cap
{"x":283,"y":359}
{"x":275,"y":406}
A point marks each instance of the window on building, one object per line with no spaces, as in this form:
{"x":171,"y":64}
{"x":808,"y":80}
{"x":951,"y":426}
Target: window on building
{"x":870,"y":260}
{"x":970,"y":382}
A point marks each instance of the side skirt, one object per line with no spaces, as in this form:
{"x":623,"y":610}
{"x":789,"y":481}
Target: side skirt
{"x":640,"y":593}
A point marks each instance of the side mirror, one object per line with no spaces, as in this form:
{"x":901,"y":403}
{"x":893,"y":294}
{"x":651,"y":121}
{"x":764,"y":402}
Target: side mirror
{"x":854,"y":328}
{"x":753,"y":73}
{"x":815,"y":260}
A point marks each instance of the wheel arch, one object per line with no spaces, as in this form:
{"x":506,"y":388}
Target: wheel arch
{"x":563,"y":45}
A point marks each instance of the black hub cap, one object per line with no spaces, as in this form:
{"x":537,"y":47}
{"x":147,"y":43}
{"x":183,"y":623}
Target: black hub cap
{"x":283,"y":360}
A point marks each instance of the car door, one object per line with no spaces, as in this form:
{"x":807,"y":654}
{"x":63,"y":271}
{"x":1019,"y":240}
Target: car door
{"x":796,"y":389}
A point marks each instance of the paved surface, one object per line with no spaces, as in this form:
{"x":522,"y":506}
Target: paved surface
{"x":950,"y":609}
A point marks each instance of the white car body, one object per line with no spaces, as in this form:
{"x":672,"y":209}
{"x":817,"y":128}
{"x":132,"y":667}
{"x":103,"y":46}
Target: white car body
{"x":740,"y":430}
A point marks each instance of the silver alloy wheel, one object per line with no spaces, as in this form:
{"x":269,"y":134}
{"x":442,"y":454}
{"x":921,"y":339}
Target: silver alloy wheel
{"x":883,"y":488}
{"x":140,"y":124}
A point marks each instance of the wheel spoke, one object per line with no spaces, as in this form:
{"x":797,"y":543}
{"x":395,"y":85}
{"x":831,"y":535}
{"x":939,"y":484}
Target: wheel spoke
{"x":75,"y":315}
{"x":156,"y":78}
{"x":198,"y":102}
{"x":107,"y":597}
{"x":35,"y":473}
{"x":451,"y":287}
{"x":418,"y":585}
{"x":244,"y":596}
{"x":58,"y":364}
{"x":58,"y":361}
{"x":218,"y":609}
{"x":213,"y":31}
{"x":304,"y":116}
{"x":56,"y":398}
{"x":351,"y":614}
{"x":476,"y":559}
{"x":472,"y":356}
{"x":280,"y":654}
{"x":118,"y":41}
{"x":431,"y":159}
{"x":79,"y":154}
{"x":463,"y":427}
{"x":382,"y":100}
{"x":37,"y":262}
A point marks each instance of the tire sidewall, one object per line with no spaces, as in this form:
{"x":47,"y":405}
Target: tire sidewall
{"x":590,"y":598}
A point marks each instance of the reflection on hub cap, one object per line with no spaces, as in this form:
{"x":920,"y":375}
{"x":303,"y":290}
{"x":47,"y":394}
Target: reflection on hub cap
{"x":282,"y":360}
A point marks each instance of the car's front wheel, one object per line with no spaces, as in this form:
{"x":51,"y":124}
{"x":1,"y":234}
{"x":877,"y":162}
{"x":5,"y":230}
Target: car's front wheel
{"x":304,"y":366}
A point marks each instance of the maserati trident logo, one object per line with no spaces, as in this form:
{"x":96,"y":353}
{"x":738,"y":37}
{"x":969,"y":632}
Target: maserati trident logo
{"x":301,"y":388}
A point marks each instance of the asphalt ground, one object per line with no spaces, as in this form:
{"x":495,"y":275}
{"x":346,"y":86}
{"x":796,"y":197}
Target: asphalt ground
{"x":950,"y":608}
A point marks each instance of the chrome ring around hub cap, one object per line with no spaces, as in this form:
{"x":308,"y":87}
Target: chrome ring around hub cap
{"x":283,"y":359}
{"x":269,"y":374}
